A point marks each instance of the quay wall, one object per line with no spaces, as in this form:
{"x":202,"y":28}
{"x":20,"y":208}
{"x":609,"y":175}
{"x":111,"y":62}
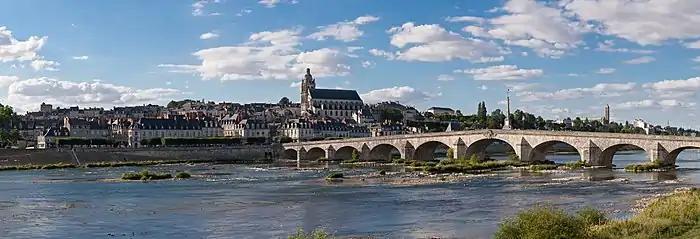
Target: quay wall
{"x":96,"y":155}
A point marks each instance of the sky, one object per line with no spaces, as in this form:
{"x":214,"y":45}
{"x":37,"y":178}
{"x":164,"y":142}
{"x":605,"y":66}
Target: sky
{"x":559,"y":59}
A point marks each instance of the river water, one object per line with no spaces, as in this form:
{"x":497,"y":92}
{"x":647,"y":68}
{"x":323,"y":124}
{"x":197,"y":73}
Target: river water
{"x":269,"y":202}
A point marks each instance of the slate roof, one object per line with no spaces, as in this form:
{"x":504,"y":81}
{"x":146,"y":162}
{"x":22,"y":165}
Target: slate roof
{"x":440,"y":108}
{"x":335,"y":94}
{"x":177,"y":123}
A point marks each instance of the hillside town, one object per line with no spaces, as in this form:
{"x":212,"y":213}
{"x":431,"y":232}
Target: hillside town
{"x":319,"y":114}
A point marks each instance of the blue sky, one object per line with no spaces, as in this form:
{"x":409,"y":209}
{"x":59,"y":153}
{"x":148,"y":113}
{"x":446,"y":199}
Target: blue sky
{"x":559,"y":58}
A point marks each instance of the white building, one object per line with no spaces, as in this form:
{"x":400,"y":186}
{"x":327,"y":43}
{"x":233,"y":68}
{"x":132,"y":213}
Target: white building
{"x":48,"y":138}
{"x":176,"y":127}
{"x":247,"y":129}
{"x":334,"y":103}
{"x":639,"y":123}
{"x":440,"y":111}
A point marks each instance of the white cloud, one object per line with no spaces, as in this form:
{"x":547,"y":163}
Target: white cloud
{"x":198,"y":8}
{"x":606,"y":70}
{"x":352,"y":49}
{"x":368,"y":64}
{"x":652,"y":104}
{"x":346,"y":31}
{"x":489,"y":59}
{"x":82,"y":58}
{"x":433,"y":43}
{"x":528,"y":23}
{"x":404,"y":94}
{"x":273,"y":3}
{"x":644,"y":22}
{"x":640,"y":60}
{"x":6,"y":81}
{"x":295,"y":84}
{"x":27,"y":94}
{"x":266,"y":55}
{"x":44,"y":65}
{"x":478,"y":20}
{"x":599,"y":90}
{"x":609,"y":46}
{"x":445,"y":78}
{"x":483,"y":87}
{"x":12,"y":49}
{"x":523,"y":86}
{"x":502,"y":72}
{"x":691,"y":84}
{"x":573,"y":75}
{"x":208,"y":35}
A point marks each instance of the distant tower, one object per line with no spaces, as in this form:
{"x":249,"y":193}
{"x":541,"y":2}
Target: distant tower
{"x":606,"y":118}
{"x":308,"y":84}
{"x":506,"y":122}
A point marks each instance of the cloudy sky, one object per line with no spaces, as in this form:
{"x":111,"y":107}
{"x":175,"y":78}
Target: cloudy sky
{"x":559,"y":58}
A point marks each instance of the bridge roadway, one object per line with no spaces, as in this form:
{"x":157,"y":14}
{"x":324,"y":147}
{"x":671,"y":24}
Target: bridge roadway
{"x":596,"y":149}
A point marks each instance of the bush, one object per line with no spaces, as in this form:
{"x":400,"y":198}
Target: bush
{"x":145,"y":175}
{"x":334,"y":175}
{"x":543,"y":222}
{"x":382,"y":172}
{"x":543,"y":167}
{"x":592,"y":217}
{"x":183,"y":175}
{"x":316,"y":234}
{"x":575,"y":165}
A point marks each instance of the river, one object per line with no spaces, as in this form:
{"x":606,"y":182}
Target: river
{"x":271,"y":202}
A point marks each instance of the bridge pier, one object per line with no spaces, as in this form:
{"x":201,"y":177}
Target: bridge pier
{"x":658,"y":152}
{"x":330,"y":153}
{"x":592,"y":155}
{"x":301,"y":155}
{"x":460,"y":149}
{"x":408,"y":152}
{"x":523,"y":150}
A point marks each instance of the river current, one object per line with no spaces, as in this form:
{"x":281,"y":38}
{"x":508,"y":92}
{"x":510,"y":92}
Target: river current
{"x":271,"y":202}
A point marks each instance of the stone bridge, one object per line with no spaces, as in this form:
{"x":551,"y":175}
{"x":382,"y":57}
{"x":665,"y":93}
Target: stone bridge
{"x":596,"y":149}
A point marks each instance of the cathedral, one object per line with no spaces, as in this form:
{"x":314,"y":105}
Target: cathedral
{"x":333,"y":103}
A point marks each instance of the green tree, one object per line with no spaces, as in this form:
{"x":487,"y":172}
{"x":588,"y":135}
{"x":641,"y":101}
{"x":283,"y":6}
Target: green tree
{"x":355,"y":154}
{"x":450,"y":153}
{"x":392,"y":114}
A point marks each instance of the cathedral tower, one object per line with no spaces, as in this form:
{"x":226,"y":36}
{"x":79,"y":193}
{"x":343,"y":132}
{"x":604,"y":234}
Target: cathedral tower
{"x":308,"y":84}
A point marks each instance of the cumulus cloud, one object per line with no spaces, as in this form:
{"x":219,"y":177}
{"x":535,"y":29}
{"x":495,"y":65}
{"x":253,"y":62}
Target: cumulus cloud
{"x":643,"y":22}
{"x":198,"y":8}
{"x":528,"y":23}
{"x":82,"y":58}
{"x":478,"y":20}
{"x":652,"y":104}
{"x":44,"y":65}
{"x":368,"y":64}
{"x":599,"y":90}
{"x":346,"y":31}
{"x":523,"y":86}
{"x":12,"y":49}
{"x":404,"y":94}
{"x":28,"y":94}
{"x":208,"y":35}
{"x":674,"y":88}
{"x":502,"y":72}
{"x":432,"y":43}
{"x":609,"y":46}
{"x":266,"y":55}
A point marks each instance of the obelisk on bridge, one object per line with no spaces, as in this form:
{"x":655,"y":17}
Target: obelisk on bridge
{"x":506,"y":122}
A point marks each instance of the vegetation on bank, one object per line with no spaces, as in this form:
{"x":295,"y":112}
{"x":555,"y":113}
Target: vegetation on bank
{"x":473,"y":164}
{"x":656,"y":165}
{"x":97,"y":165}
{"x":675,"y":216}
{"x":145,"y":175}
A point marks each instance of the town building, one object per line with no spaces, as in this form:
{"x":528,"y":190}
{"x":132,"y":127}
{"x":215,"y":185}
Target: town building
{"x":440,"y":111}
{"x":174,"y":127}
{"x":48,"y":138}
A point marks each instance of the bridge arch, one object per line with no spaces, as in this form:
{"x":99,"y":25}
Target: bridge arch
{"x":384,"y":152}
{"x":345,"y":152}
{"x":607,"y":155}
{"x":540,"y":151}
{"x":291,"y":154}
{"x":672,"y":156}
{"x":426,"y":151}
{"x":315,"y":153}
{"x":480,"y":148}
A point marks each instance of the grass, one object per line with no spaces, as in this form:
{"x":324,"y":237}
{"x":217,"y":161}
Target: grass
{"x":463,"y":165}
{"x":656,"y":165}
{"x":541,"y":167}
{"x":316,"y":234}
{"x":96,"y":165}
{"x":334,"y":175}
{"x":676,"y":216}
{"x":575,"y":165}
{"x":145,"y":175}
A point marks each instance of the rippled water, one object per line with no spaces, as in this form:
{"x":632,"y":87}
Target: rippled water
{"x":254,"y":202}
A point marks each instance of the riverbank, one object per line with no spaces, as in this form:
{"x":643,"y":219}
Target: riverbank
{"x":673,"y":215}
